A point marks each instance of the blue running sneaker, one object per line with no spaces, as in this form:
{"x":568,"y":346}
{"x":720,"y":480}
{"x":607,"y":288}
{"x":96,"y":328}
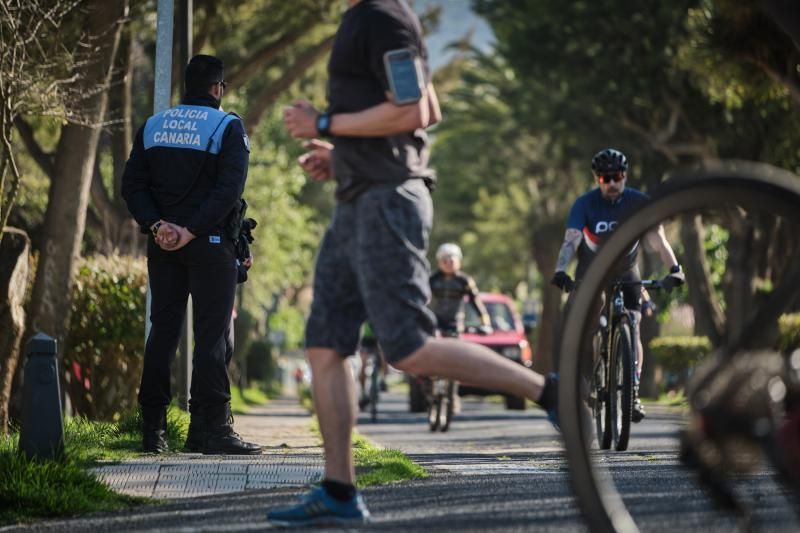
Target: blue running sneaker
{"x":318,"y":508}
{"x":552,"y":412}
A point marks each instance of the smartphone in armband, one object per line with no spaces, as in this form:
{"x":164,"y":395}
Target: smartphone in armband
{"x":404,"y":72}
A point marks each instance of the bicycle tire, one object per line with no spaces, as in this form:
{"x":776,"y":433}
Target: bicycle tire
{"x":447,"y":412}
{"x":434,"y":412}
{"x":374,"y":390}
{"x":742,"y":184}
{"x":621,"y":396}
{"x":600,"y":410}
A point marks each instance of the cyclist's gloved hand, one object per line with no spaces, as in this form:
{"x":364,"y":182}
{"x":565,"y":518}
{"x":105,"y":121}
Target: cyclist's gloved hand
{"x":562,"y":280}
{"x":674,"y":279}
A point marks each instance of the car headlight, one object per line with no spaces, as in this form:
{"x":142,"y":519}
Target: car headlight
{"x":511,"y":352}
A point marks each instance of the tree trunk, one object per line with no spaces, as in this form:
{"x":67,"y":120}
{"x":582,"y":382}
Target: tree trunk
{"x":14,"y":251}
{"x":546,"y":243}
{"x":65,"y":218}
{"x":648,"y":330}
{"x":709,"y":320}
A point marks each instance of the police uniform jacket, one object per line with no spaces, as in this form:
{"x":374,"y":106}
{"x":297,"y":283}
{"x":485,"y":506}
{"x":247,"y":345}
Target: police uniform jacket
{"x":188,"y":166}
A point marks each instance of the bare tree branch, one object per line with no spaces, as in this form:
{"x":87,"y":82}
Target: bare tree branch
{"x":270,"y":94}
{"x":255,"y":63}
{"x":44,"y":159}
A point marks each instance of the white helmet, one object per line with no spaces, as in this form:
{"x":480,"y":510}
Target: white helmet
{"x":449,"y":249}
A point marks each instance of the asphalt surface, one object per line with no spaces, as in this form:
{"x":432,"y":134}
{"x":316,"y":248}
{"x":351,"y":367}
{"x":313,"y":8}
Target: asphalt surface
{"x":493,"y":471}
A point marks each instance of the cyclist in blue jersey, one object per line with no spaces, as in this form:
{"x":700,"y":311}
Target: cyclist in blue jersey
{"x":593,"y":217}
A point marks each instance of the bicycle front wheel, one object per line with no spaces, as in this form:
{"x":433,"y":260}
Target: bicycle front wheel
{"x":749,"y":213}
{"x":374,"y":391}
{"x":446,"y":412}
{"x":621,"y":386}
{"x":600,"y":402}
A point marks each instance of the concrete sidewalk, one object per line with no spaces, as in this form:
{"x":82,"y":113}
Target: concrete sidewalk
{"x":292,"y":457}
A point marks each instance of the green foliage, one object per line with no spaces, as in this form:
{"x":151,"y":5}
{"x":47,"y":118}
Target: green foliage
{"x":306,"y":397}
{"x":789,"y":332}
{"x":105,"y":341}
{"x":378,"y":466}
{"x":46,"y":489}
{"x":244,"y":331}
{"x":260,"y":365}
{"x":287,"y":235}
{"x":241,"y":401}
{"x":679,"y":353}
{"x":291,"y":321}
{"x":87,"y":441}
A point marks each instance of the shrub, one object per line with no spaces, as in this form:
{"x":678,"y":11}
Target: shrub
{"x":104,"y":347}
{"x":678,"y":354}
{"x":789,"y":332}
{"x":259,"y":361}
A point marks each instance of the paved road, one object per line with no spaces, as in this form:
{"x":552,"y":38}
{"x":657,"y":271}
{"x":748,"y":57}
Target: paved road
{"x":504,"y":470}
{"x":494,"y":471}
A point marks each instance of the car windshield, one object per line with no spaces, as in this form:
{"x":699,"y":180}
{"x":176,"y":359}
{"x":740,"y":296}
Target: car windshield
{"x":499,"y":313}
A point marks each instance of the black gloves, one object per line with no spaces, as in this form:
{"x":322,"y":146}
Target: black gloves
{"x":562,"y":280}
{"x":674,"y":279}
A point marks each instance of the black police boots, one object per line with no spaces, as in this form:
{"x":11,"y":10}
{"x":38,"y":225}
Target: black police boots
{"x":221,"y":439}
{"x":197,"y":430}
{"x":154,"y":429}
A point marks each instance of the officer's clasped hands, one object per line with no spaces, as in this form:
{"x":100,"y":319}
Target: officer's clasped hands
{"x":562,"y":280}
{"x":172,"y":237}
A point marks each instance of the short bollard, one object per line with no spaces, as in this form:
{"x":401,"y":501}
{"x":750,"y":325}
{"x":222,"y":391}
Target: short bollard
{"x":42,"y":432}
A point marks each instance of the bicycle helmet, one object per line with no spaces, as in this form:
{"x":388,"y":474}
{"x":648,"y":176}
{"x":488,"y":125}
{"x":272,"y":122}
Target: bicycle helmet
{"x":608,"y":161}
{"x":449,"y":249}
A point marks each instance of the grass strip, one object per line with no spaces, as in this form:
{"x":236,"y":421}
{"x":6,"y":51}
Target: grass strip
{"x":379,"y":466}
{"x":376,"y":465}
{"x":47,"y":489}
{"x":241,"y":401}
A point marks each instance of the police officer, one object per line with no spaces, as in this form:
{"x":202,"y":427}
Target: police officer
{"x":182,"y":184}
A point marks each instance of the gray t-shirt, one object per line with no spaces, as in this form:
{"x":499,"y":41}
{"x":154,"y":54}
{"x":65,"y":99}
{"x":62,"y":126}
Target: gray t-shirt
{"x":357,"y":81}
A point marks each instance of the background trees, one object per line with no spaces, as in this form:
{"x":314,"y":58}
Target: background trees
{"x":679,"y":83}
{"x":683,"y":83}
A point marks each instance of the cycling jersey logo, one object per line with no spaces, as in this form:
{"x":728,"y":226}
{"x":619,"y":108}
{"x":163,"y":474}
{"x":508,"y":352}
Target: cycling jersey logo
{"x":603,"y":226}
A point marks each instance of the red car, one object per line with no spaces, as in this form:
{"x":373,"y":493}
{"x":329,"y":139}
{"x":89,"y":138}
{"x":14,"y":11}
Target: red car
{"x":508,"y":339}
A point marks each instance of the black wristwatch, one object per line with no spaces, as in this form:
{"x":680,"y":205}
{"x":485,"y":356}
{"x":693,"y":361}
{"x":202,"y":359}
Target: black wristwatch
{"x":324,"y":125}
{"x":674,"y":269}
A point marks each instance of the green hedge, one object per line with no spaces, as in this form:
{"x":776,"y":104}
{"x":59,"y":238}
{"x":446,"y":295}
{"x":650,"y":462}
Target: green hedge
{"x":677,"y":354}
{"x":789,"y":332}
{"x":105,"y":342}
{"x":260,"y":366}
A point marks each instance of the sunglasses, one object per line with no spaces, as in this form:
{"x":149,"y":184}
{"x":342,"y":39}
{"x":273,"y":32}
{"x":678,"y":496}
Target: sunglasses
{"x":608,"y":178}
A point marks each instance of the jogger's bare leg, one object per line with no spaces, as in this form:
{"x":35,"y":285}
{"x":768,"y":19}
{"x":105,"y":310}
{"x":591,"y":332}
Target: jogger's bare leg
{"x":334,"y":402}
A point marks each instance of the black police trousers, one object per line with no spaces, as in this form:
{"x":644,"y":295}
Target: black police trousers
{"x":206,"y":269}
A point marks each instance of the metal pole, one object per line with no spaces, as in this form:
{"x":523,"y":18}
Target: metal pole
{"x":161,"y":101}
{"x":161,"y":93}
{"x":164,"y":26}
{"x":184,"y":371}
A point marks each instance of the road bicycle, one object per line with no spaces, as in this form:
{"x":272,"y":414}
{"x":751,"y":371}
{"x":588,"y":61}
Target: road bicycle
{"x":440,"y":403}
{"x":441,"y":395}
{"x":744,"y":399}
{"x":614,"y":383}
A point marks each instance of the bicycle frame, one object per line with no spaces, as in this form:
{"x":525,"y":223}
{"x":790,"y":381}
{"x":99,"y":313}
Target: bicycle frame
{"x":611,"y":421}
